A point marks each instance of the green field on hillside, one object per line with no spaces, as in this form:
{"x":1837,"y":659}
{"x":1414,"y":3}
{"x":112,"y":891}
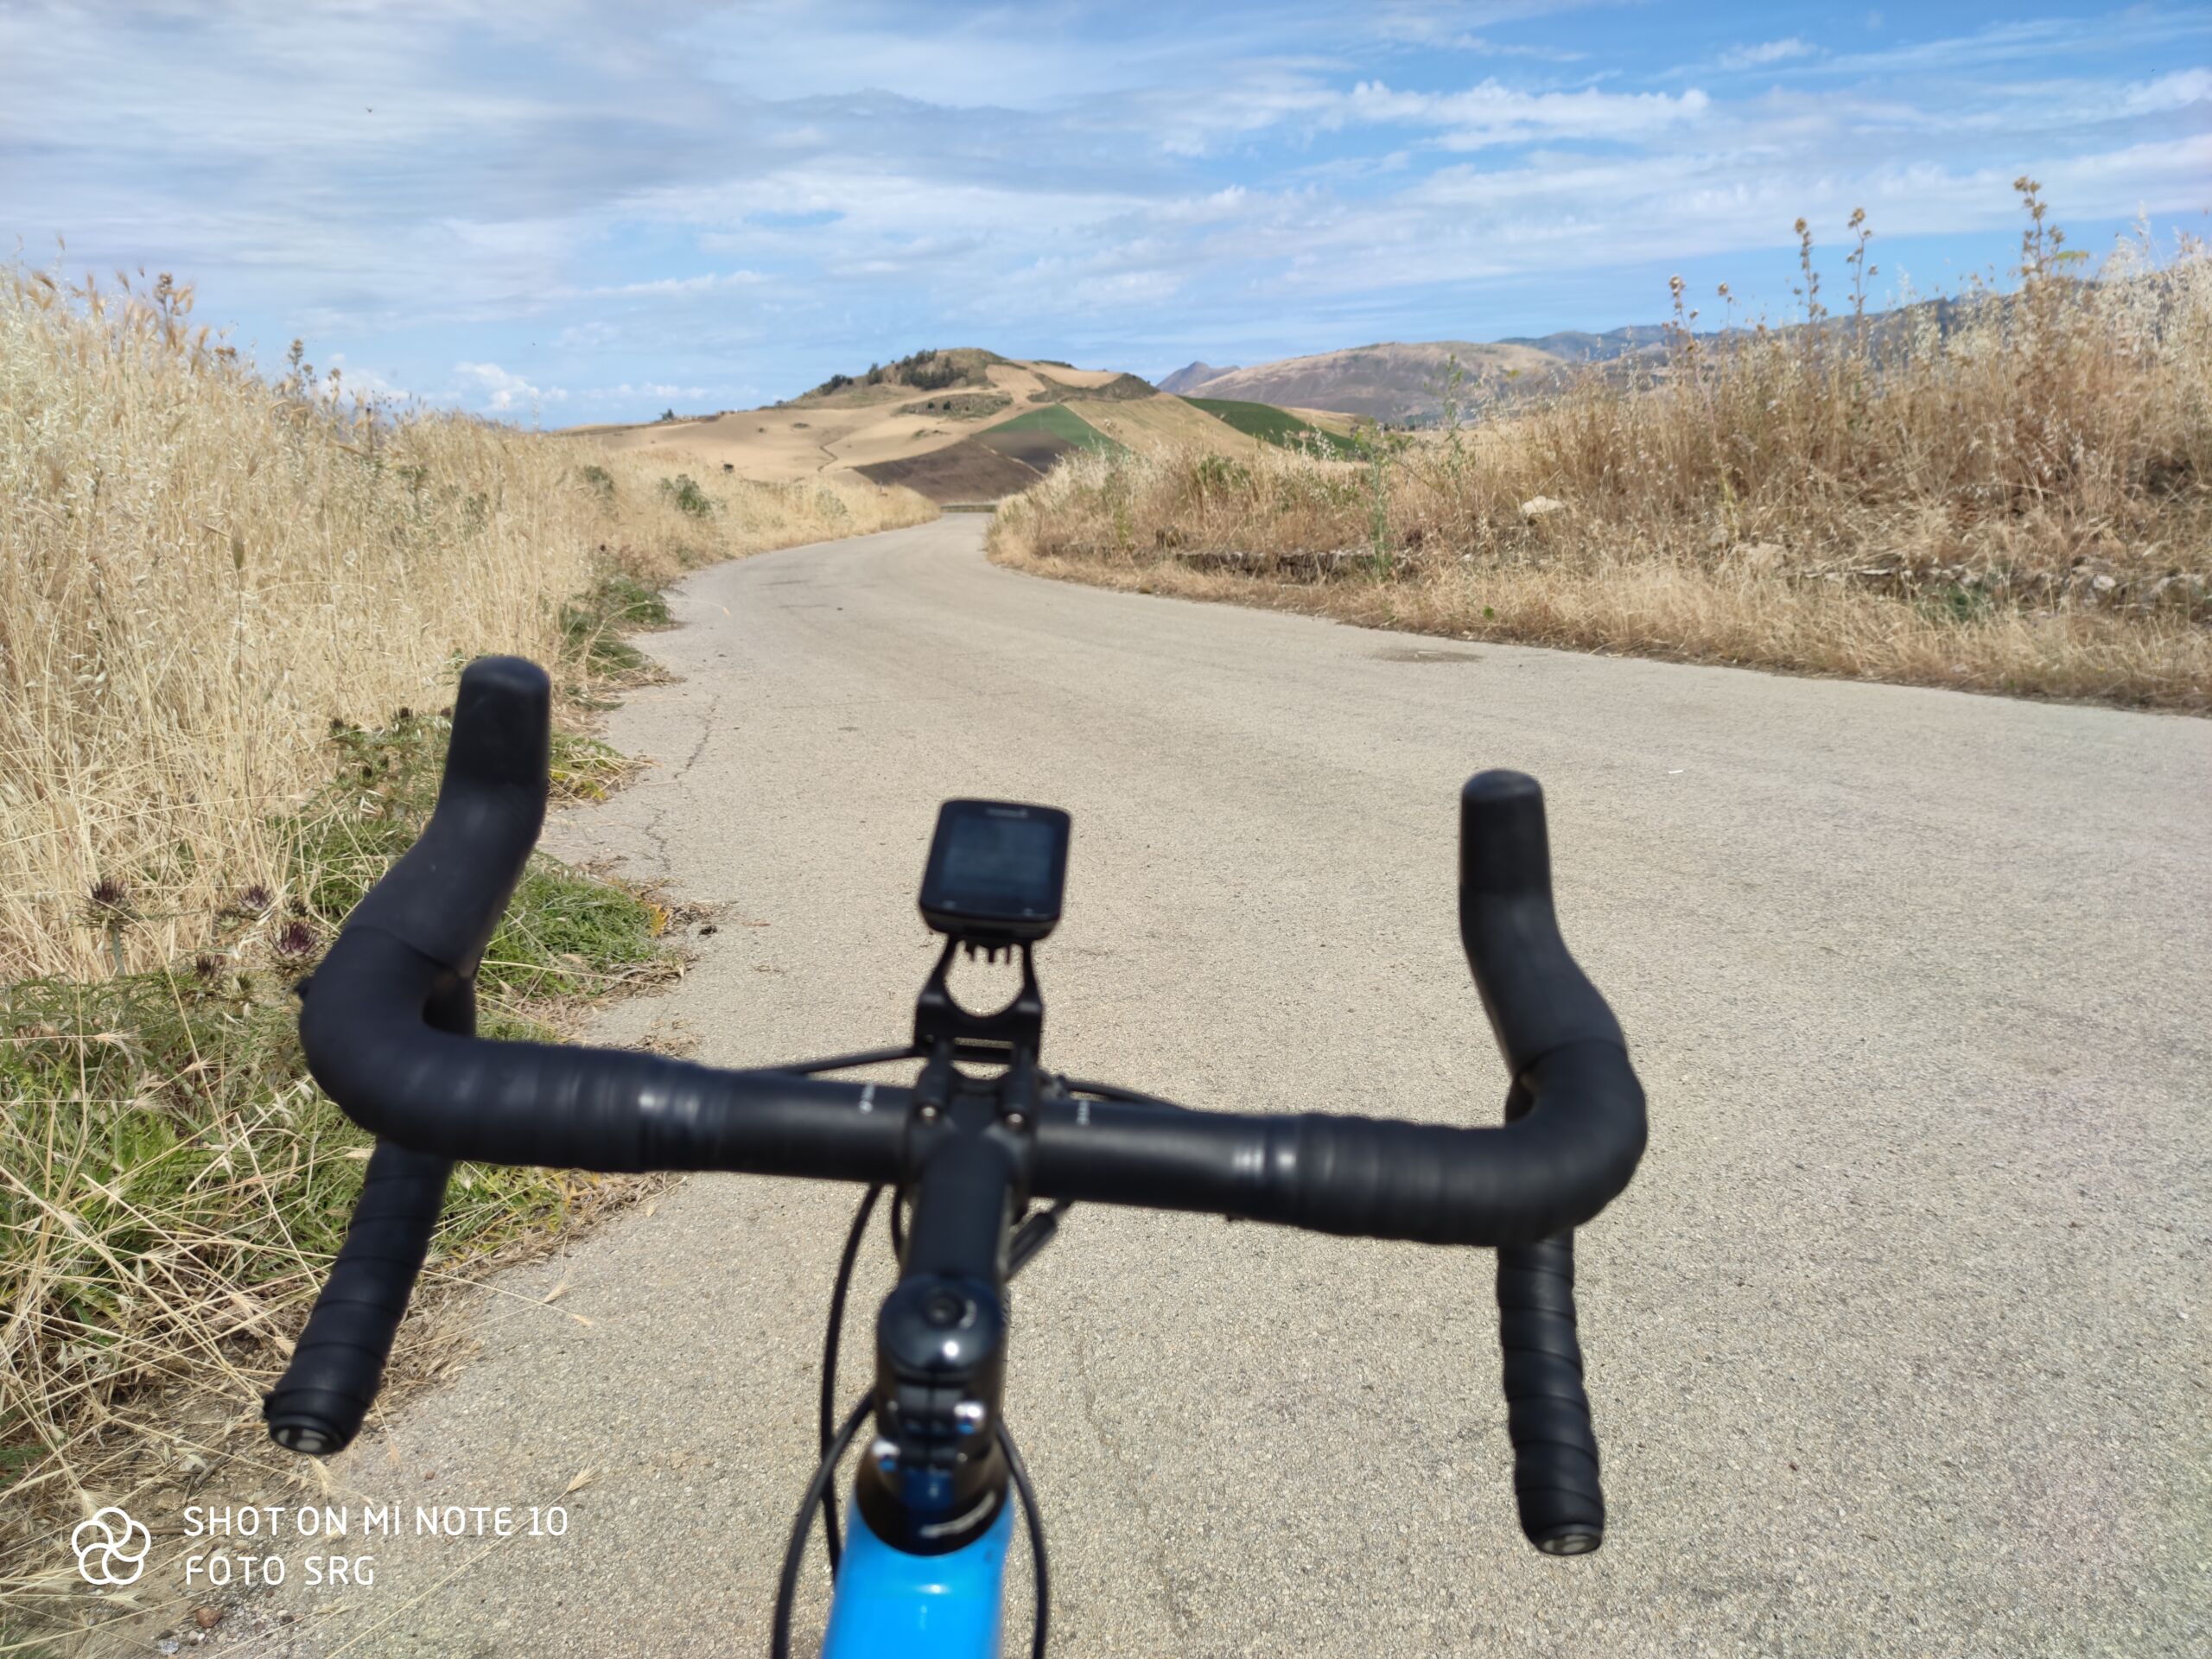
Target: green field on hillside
{"x":1272,"y":425}
{"x":1061,"y":422}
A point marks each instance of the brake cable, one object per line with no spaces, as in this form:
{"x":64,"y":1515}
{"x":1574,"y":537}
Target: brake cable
{"x":1115,"y":1092}
{"x":1034,"y":1519}
{"x":779,"y":1642}
{"x":830,"y":1362}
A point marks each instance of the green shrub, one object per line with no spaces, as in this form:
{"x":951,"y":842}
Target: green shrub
{"x":685,"y":495}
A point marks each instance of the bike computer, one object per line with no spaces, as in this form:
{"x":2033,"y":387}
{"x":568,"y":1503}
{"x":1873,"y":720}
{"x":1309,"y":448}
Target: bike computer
{"x":996,"y":871}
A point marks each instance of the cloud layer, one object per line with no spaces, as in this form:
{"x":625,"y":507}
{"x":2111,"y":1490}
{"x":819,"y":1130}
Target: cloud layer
{"x":586,"y":212}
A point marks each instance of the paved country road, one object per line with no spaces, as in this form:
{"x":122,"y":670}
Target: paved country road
{"x":1897,"y":1343}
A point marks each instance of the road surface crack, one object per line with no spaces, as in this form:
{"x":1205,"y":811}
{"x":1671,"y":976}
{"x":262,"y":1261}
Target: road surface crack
{"x":653,"y":828}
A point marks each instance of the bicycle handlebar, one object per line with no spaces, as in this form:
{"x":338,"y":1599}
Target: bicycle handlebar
{"x":445,"y":895}
{"x":379,"y":1035}
{"x":338,"y":1364}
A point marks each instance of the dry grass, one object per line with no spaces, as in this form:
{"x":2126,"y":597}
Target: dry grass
{"x":199,"y":571}
{"x":664,"y":510}
{"x":2007,"y":493}
{"x":228,"y":610}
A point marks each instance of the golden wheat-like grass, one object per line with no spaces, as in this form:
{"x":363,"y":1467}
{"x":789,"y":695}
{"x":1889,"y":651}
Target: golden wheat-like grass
{"x":199,"y":571}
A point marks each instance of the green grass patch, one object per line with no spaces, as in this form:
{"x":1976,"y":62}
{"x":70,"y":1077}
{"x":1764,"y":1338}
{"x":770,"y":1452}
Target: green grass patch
{"x":592,"y":627}
{"x":1063,"y":423}
{"x":1955,"y":603}
{"x":1278,"y":426}
{"x":176,"y":1185}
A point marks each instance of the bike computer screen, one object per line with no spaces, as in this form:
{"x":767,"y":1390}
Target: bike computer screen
{"x":996,"y":871}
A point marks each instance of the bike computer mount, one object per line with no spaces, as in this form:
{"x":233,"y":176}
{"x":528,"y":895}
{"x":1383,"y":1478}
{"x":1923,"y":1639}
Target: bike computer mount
{"x":993,"y":882}
{"x":936,"y":1471}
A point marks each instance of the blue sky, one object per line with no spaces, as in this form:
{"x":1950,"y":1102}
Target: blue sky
{"x":568,"y":213}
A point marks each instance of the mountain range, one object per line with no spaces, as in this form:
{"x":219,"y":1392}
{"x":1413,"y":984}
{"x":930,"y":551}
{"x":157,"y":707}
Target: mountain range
{"x":1405,"y":381}
{"x":1191,"y":376}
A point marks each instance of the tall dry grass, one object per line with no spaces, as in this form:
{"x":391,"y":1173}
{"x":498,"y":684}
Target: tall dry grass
{"x":2007,"y":492}
{"x":199,"y":571}
{"x":229,"y":608}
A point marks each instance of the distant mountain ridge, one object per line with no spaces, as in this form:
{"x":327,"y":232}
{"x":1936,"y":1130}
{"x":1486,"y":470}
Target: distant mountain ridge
{"x":1191,"y":376}
{"x":1575,"y":345}
{"x":1404,"y":380}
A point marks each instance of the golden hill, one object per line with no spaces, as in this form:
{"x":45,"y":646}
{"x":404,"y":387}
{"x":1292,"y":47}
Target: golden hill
{"x":973,"y":429}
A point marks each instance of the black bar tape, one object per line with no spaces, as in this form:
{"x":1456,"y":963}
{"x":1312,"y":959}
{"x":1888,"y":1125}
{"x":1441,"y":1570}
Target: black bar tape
{"x":1569,"y":1064}
{"x":367,"y":1042}
{"x":445,"y":895}
{"x":337,"y":1367}
{"x":1542,"y":1172}
{"x":1537,"y":996}
{"x":318,"y":1405}
{"x":375,"y":1040}
{"x":1537,"y":1175}
{"x":1547,"y":1413}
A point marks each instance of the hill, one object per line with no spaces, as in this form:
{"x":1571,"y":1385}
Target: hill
{"x":1278,"y":426}
{"x":1575,"y":346}
{"x":1393,"y":381}
{"x":963,"y":424}
{"x":1403,"y":381}
{"x":1191,"y":376}
{"x":924,"y":371}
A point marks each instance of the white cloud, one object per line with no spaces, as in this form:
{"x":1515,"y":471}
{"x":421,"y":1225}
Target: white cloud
{"x":655,"y":391}
{"x":1127,"y":288}
{"x":1492,"y":114}
{"x":667,"y":286}
{"x":729,"y":195}
{"x":1755,"y":57}
{"x":503,"y":393}
{"x":1445,"y":30}
{"x":2175,"y":92}
{"x":361,"y":382}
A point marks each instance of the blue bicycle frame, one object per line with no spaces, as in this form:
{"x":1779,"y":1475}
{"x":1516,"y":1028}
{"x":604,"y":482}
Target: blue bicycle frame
{"x":948,"y":1607}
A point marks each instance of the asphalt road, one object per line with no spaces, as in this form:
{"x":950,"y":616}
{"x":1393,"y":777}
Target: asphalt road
{"x":1897,"y":1343}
